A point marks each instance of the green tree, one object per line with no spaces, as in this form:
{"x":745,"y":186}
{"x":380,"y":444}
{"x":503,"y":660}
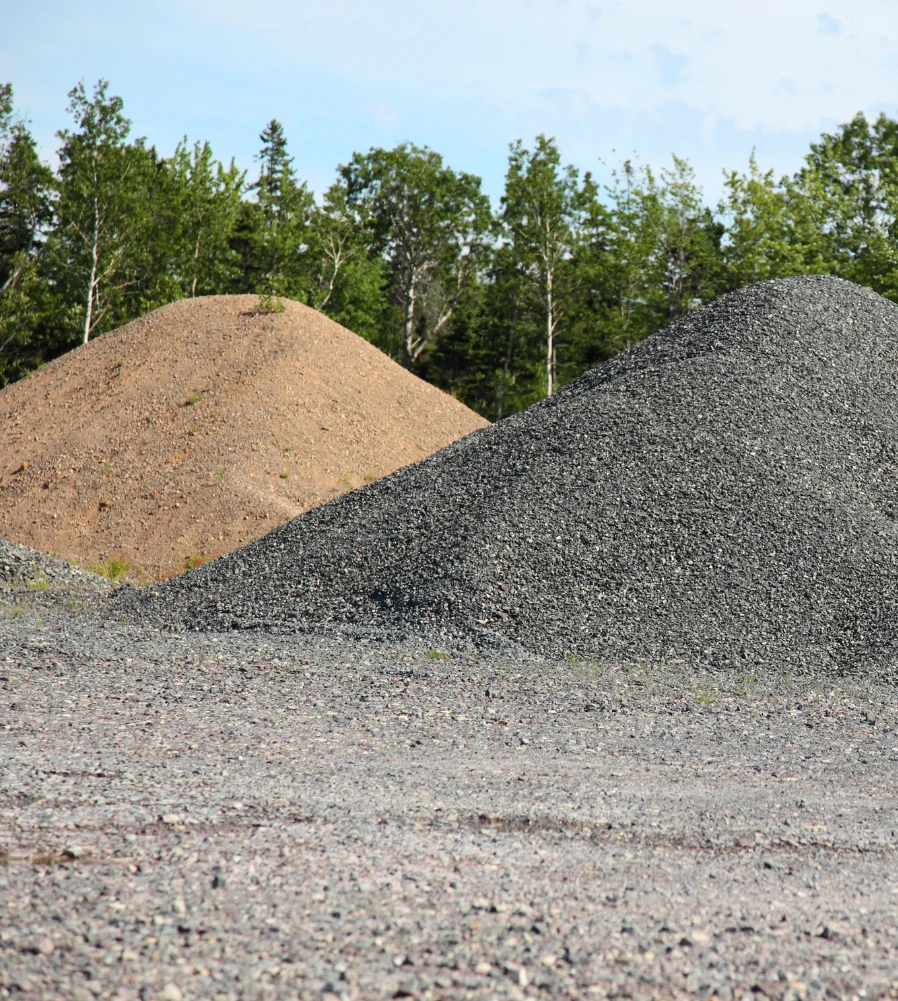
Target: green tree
{"x":771,"y":228}
{"x":205,"y":200}
{"x":346,"y":277}
{"x":285,"y":208}
{"x":686,"y":237}
{"x":429,"y":223}
{"x":26,"y":187}
{"x":850,"y":183}
{"x":100,"y":206}
{"x":540,"y":213}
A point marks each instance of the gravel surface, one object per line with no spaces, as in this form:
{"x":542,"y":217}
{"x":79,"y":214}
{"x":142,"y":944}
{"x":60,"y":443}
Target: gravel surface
{"x":724,"y":493}
{"x":22,"y":566}
{"x":190,"y":816}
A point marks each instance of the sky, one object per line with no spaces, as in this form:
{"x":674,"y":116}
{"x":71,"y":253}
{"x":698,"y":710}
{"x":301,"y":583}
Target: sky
{"x":638,"y":80}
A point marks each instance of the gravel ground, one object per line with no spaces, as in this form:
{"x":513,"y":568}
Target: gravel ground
{"x":724,"y":492}
{"x":253,"y":816}
{"x":25,"y":567}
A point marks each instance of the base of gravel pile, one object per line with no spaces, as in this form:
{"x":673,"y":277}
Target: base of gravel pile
{"x":23,"y":567}
{"x":244,"y":817}
{"x":723,"y":493}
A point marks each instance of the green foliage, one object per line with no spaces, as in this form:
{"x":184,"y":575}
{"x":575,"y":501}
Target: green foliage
{"x":429,"y":225}
{"x":115,"y":568}
{"x":268,"y":304}
{"x":497,"y":308}
{"x":26,"y":210}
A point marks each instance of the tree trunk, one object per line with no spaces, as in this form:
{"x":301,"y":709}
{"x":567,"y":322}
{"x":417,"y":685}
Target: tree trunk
{"x":94,"y":263}
{"x":410,"y":318}
{"x":196,"y":267}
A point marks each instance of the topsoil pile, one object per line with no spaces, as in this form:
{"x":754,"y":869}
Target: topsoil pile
{"x":725,"y":492}
{"x":202,"y":426}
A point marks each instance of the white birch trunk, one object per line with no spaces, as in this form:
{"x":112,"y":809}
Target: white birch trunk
{"x":94,"y":264}
{"x":196,"y":267}
{"x":410,"y":318}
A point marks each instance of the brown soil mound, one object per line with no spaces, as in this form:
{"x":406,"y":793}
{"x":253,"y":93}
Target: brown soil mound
{"x":202,"y":426}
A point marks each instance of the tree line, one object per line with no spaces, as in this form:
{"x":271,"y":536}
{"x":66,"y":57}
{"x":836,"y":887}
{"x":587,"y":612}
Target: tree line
{"x":497,"y":305}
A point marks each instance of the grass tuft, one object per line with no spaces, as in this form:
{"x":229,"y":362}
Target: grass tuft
{"x":268,"y":304}
{"x":114,"y":568}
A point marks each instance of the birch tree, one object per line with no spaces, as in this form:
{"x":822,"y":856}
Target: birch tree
{"x":99,"y":204}
{"x":429,"y":223}
{"x":540,"y":214}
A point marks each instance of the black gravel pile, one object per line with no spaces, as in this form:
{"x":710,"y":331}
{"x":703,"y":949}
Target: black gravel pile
{"x":725,"y":492}
{"x":22,"y":566}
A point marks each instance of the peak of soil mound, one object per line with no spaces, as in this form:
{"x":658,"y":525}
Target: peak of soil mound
{"x":200,"y":427}
{"x":724,"y":492}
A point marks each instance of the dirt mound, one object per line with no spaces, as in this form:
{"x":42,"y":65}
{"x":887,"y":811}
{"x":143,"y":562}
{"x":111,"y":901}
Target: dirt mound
{"x":725,"y":492}
{"x":202,"y":426}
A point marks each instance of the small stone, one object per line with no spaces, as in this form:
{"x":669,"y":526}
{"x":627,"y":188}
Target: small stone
{"x":179,"y":907}
{"x":171,"y":992}
{"x":548,"y":959}
{"x":172,"y":818}
{"x":484,"y":969}
{"x":40,"y":946}
{"x":774,"y":863}
{"x":73,"y":851}
{"x":81,"y":994}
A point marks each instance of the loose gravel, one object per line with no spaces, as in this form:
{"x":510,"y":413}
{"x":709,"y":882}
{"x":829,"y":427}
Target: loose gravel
{"x":245,"y":816}
{"x":22,"y":566}
{"x":723,"y":493}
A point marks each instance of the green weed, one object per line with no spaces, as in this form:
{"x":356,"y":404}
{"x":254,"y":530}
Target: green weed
{"x":436,"y":655}
{"x":192,"y":401}
{"x":285,"y":476}
{"x":705,"y":695}
{"x":268,"y":304}
{"x":38,"y":582}
{"x":114,"y":568}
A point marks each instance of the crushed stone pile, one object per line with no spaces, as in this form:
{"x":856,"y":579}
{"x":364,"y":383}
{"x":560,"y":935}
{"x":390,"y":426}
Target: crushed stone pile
{"x":723,"y":493}
{"x":200,"y":427}
{"x":22,"y":566}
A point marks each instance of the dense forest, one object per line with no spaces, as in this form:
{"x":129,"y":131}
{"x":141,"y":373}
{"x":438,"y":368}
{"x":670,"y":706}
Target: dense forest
{"x":499,"y":305}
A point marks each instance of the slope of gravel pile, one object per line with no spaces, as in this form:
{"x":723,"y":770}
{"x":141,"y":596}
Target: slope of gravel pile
{"x":723,"y":493}
{"x":202,"y":426}
{"x":22,"y":566}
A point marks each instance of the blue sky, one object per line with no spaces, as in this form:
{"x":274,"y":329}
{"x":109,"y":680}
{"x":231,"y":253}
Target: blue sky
{"x":610,"y":80}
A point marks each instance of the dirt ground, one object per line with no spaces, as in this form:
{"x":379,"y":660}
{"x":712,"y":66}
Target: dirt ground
{"x":203,"y":426}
